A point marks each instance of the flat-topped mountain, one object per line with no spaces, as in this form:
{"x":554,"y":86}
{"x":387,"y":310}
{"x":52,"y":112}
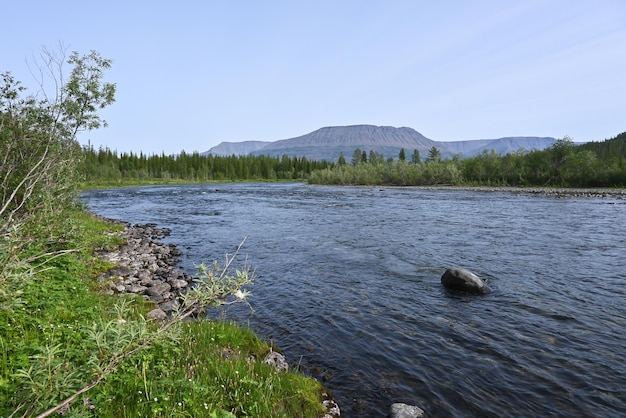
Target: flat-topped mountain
{"x":329,"y":142}
{"x":356,"y":135}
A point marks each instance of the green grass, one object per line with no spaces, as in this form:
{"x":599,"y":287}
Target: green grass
{"x":47,"y":333}
{"x":214,"y":366}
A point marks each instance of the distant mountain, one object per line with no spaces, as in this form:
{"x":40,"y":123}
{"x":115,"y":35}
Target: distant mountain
{"x":329,"y":142}
{"x":502,"y":146}
{"x":236,"y":148}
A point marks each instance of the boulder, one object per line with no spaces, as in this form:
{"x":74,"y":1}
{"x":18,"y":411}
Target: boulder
{"x":462,"y":279}
{"x":157,"y":315}
{"x":332,"y":409}
{"x":154,"y":295}
{"x":136,"y":288}
{"x":402,"y":410}
{"x":277,"y":361}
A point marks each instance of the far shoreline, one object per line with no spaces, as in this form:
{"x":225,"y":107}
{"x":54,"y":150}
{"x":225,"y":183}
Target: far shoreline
{"x":532,"y":190}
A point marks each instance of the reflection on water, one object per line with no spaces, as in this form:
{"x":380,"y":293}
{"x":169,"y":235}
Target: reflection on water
{"x":348,"y":286}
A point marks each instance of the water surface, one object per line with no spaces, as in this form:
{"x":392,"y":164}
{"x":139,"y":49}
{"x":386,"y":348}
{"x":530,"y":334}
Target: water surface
{"x":348,"y":286}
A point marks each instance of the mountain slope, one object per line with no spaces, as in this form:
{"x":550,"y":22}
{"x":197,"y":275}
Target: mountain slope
{"x":502,"y":146}
{"x":225,"y":149}
{"x":329,"y":142}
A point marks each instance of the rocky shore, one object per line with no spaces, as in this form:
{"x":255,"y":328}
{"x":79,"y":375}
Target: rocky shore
{"x":548,"y":191}
{"x":145,"y":266}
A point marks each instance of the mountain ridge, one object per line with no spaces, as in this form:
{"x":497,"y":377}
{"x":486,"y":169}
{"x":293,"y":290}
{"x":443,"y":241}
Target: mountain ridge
{"x":329,"y":142}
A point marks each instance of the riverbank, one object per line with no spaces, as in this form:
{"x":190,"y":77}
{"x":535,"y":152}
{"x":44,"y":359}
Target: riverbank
{"x":74,"y":321}
{"x":146,"y":267}
{"x":549,"y":191}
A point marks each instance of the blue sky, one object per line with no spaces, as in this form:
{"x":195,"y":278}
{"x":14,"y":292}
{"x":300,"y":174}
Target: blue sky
{"x":191,"y":74}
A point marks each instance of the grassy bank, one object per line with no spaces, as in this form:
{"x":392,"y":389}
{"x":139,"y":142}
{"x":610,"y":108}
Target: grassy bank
{"x":58,"y":334}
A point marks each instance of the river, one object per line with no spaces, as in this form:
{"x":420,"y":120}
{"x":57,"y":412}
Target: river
{"x":348,"y":286}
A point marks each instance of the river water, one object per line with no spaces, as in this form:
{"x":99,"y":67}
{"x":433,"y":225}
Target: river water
{"x":348,"y":286}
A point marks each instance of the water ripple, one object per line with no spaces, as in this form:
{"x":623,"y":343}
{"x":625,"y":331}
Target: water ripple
{"x":348,"y":286}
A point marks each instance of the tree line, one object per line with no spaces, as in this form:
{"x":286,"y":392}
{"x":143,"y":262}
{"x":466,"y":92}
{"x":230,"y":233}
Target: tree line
{"x":105,"y":165}
{"x":564,"y":164}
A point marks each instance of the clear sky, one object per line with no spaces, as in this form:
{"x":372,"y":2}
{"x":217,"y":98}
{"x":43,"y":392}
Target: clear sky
{"x":191,"y":74}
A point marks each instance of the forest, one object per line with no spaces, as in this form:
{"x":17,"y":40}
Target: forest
{"x":565,"y":164}
{"x":105,"y":167}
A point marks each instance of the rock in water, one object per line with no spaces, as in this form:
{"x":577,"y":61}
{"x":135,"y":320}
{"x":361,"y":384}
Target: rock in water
{"x":465,"y":280}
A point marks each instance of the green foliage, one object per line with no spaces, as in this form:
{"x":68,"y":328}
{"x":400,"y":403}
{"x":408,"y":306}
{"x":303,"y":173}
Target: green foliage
{"x":214,"y":368}
{"x":357,"y":156}
{"x":107,"y":167}
{"x":562,"y":165}
{"x":415,"y":157}
{"x":38,"y":147}
{"x":376,"y":158}
{"x":434,"y":155}
{"x":45,"y":332}
{"x":609,"y":149}
{"x":398,"y":173}
{"x":86,"y":93}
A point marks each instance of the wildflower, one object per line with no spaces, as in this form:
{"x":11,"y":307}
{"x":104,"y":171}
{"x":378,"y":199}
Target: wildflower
{"x":92,"y":406}
{"x":121,"y":321}
{"x":240,"y":295}
{"x":86,"y":401}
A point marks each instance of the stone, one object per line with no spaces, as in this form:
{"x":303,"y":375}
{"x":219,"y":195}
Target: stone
{"x":155,"y":295}
{"x":402,"y":410}
{"x":119,"y":288}
{"x":136,"y":288}
{"x":122,"y":271}
{"x":161,"y":287}
{"x":332,"y":409}
{"x":177,"y":283}
{"x":277,"y":361}
{"x":157,"y":314}
{"x":462,"y":279}
{"x":144,"y":276}
{"x":169,"y":306}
